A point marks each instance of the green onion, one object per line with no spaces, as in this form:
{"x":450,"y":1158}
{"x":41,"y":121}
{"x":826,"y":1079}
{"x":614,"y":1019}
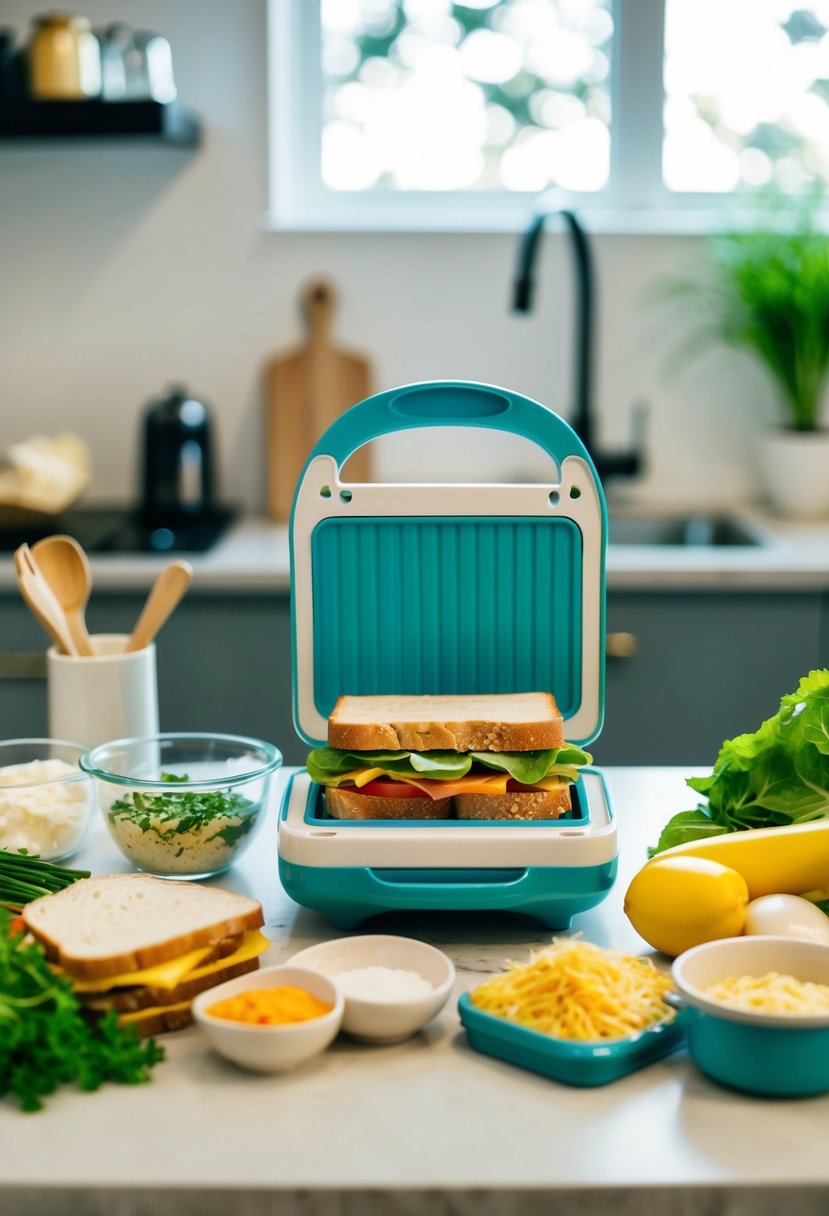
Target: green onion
{"x":24,"y":877}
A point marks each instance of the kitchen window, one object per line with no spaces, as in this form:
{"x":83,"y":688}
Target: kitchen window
{"x":428,"y":115}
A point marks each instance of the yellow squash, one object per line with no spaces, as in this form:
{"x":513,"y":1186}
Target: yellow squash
{"x":786,"y":860}
{"x":675,"y":903}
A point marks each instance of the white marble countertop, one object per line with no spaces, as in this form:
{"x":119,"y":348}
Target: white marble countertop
{"x":253,"y":557}
{"x":426,"y":1126}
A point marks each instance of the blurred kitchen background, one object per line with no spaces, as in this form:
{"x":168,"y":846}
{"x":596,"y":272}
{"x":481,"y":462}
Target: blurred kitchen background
{"x":133,"y":268}
{"x":129,"y":268}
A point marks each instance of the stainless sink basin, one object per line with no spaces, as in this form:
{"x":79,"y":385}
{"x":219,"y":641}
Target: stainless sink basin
{"x":702,"y":530}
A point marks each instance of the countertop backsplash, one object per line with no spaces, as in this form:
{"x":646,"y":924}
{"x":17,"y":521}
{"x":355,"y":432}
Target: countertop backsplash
{"x":253,"y":557}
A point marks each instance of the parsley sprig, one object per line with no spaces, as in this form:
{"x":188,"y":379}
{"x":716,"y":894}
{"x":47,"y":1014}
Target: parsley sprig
{"x":45,"y":1040}
{"x":171,"y":815}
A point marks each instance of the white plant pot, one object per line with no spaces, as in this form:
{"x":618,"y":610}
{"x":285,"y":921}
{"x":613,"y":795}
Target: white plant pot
{"x":795,"y":469}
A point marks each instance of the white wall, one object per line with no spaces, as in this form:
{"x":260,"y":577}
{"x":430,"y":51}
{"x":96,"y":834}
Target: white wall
{"x":124,"y":269}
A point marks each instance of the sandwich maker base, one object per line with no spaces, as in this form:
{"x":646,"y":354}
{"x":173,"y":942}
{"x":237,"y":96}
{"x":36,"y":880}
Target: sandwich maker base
{"x":462,"y":588}
{"x":353,"y":869}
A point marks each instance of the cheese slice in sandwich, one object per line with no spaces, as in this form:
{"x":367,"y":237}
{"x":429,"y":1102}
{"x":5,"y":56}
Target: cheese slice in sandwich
{"x":144,"y":996}
{"x":194,"y":965}
{"x":499,"y":756}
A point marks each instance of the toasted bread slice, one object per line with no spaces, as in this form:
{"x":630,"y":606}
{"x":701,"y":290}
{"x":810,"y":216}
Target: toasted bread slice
{"x":129,"y":1000}
{"x":346,"y":804}
{"x":533,"y":804}
{"x":501,"y":722}
{"x":222,"y":948}
{"x":105,"y":926}
{"x":159,"y":1020}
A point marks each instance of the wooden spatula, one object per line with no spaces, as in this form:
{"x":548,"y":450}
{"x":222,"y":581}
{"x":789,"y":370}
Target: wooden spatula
{"x":165,"y":593}
{"x":306,"y":390}
{"x":41,"y":599}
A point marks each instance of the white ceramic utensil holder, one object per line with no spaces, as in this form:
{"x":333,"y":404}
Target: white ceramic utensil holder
{"x":110,"y":695}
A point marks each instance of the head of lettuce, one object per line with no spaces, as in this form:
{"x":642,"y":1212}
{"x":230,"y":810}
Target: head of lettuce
{"x":776,"y":776}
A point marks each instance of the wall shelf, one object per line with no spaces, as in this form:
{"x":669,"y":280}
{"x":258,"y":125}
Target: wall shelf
{"x":163,"y":122}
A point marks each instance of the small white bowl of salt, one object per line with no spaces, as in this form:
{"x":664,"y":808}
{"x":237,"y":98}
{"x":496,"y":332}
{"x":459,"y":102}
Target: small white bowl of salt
{"x":392,"y":985}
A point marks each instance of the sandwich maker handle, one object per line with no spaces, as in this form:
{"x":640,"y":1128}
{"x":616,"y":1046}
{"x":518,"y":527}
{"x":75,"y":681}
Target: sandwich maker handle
{"x":449,"y":403}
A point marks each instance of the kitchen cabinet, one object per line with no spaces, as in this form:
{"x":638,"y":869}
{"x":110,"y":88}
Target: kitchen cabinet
{"x":706,"y":666}
{"x":224,"y":663}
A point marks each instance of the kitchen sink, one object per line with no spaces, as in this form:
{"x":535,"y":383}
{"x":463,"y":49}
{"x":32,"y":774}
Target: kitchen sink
{"x":701,"y":529}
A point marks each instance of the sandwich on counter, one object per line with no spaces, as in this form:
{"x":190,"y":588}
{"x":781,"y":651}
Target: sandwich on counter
{"x":146,"y":946}
{"x":500,"y":756}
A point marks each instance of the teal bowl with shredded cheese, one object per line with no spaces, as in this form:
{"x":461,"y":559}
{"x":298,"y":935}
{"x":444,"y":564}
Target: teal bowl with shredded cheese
{"x":183,"y":805}
{"x":757,"y":1048}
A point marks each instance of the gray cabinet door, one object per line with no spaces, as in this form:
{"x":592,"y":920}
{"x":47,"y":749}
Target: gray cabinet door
{"x":224,"y":664}
{"x":707,"y":666}
{"x":22,"y":671}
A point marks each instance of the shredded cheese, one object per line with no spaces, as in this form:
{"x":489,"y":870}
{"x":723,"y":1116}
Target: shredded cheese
{"x":577,"y":990}
{"x":771,"y":993}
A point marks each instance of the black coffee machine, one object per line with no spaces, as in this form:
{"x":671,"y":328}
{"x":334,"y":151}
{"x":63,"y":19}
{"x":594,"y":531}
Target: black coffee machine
{"x":178,"y":505}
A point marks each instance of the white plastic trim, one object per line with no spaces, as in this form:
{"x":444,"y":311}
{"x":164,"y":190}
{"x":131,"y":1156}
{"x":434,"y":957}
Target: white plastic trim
{"x":449,"y":501}
{"x":473,"y":846}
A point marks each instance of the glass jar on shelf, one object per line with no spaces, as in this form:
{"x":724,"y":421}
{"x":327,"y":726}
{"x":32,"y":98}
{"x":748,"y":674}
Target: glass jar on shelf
{"x":64,"y":59}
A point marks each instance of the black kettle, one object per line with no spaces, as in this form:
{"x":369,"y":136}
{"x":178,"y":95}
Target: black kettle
{"x":177,"y":473}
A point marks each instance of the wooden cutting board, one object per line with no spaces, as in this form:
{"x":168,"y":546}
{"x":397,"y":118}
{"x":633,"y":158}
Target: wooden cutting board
{"x":307,"y":389}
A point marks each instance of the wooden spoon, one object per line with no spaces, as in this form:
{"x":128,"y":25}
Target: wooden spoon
{"x":39,"y":596}
{"x":65,"y":567}
{"x":165,"y":594}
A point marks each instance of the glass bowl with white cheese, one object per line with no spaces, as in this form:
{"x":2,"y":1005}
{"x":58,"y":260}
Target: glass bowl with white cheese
{"x":183,"y":805}
{"x":46,"y":800}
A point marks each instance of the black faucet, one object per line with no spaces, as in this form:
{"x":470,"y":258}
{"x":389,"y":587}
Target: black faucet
{"x":608,"y":464}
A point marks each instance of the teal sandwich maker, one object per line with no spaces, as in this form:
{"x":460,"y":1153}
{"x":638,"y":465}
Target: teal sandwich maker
{"x":448,"y":588}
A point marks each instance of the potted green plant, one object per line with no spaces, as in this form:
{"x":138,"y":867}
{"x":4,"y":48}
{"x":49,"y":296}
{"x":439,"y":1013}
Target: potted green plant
{"x":766,"y":291}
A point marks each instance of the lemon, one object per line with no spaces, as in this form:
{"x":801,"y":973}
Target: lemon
{"x":675,"y":903}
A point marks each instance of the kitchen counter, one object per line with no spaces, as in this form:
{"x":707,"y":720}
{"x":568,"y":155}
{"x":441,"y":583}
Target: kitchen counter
{"x":254,"y":557}
{"x":792,"y":557}
{"x":677,"y":617}
{"x":427,"y":1126}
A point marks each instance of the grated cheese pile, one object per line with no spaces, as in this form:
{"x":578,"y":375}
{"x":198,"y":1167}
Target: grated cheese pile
{"x":576,"y":990}
{"x":771,"y":993}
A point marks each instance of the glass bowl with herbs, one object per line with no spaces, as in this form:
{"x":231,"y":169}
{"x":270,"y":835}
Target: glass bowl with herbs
{"x":183,"y":805}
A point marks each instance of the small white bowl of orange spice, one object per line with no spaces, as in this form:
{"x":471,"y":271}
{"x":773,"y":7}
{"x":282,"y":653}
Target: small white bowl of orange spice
{"x":271,"y":1020}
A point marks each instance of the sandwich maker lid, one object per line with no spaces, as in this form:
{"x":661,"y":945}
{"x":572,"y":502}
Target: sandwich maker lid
{"x":448,"y":588}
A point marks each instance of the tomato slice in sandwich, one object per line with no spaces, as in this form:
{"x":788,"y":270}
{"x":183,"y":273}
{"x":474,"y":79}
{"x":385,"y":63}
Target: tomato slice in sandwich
{"x":390,"y":789}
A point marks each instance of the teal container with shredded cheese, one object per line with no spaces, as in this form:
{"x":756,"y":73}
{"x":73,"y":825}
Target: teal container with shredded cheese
{"x":567,"y":1060}
{"x":576,"y":1012}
